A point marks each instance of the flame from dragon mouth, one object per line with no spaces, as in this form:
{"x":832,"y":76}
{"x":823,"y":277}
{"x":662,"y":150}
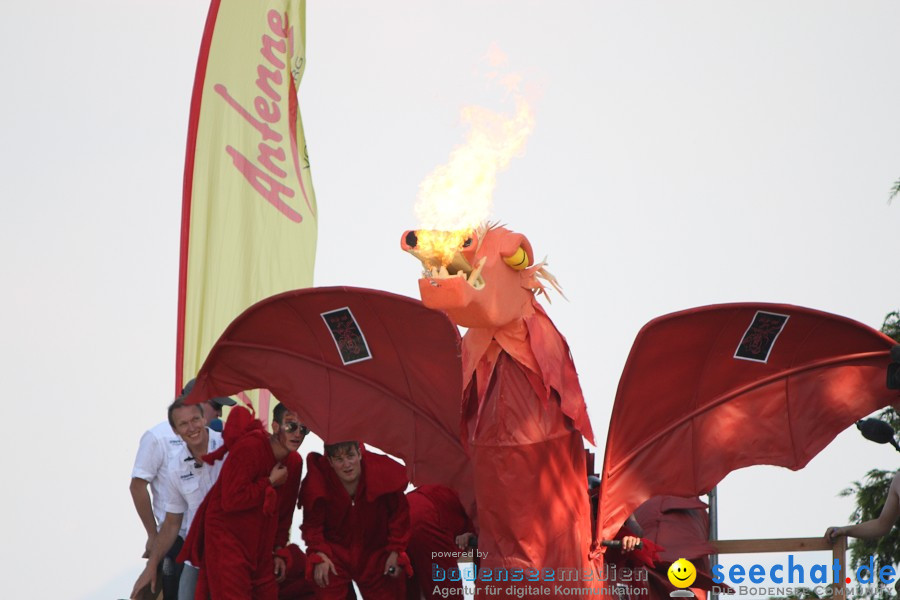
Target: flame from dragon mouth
{"x":441,"y":256}
{"x":438,"y":248}
{"x":456,"y":197}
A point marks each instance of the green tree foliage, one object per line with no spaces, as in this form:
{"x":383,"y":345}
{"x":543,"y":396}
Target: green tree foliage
{"x":871,"y":493}
{"x":895,"y":189}
{"x":891,"y":324}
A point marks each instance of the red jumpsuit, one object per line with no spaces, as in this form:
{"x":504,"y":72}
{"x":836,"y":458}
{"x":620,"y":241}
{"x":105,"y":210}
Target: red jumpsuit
{"x":356,"y":534}
{"x":242,"y":521}
{"x":436,"y":517}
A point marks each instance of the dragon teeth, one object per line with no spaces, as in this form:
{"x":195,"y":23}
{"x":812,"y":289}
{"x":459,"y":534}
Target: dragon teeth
{"x":476,"y":272}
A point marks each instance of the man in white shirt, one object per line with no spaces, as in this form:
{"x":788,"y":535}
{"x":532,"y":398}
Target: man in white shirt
{"x":185,"y":483}
{"x":150,"y":464}
{"x":149,"y":472}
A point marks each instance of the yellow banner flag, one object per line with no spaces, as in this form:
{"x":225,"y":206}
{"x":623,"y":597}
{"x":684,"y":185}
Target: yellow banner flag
{"x":249,"y":220}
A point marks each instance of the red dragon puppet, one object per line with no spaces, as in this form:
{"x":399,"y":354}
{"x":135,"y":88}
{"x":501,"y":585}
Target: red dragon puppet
{"x":523,"y":412}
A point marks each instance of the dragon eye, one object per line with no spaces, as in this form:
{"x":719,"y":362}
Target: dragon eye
{"x":519,"y":260}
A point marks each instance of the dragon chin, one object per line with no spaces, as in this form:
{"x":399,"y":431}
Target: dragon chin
{"x":456,"y":297}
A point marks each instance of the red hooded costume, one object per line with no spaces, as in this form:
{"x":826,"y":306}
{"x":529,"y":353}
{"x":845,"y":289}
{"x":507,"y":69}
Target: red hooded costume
{"x":436,"y":517}
{"x":243,"y":519}
{"x":357,"y":534}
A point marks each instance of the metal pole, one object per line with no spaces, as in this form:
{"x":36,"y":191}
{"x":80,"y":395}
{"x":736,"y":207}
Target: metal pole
{"x":713,"y":497}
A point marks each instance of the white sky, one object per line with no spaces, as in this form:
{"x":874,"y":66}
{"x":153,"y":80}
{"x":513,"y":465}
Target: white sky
{"x":685,"y":153}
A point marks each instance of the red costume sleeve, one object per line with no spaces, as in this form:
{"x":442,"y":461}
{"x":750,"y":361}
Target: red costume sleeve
{"x":386,"y":478}
{"x":313,"y":496}
{"x":243,"y":486}
{"x":645,"y":556}
{"x":398,"y":524}
{"x":287,"y":499}
{"x":313,"y":529}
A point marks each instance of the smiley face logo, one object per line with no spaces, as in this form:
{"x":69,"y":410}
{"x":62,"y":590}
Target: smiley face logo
{"x":682,"y":573}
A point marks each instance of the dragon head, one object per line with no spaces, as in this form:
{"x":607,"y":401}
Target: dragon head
{"x":481,"y":278}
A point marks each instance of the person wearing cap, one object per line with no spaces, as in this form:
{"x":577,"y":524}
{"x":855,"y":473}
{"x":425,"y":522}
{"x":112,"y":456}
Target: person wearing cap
{"x":186,"y":481}
{"x":240,"y":532}
{"x":355,"y":523}
{"x":212,"y":408}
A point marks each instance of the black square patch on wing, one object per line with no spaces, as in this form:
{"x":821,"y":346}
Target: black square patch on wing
{"x":760,"y":337}
{"x":348,"y":337}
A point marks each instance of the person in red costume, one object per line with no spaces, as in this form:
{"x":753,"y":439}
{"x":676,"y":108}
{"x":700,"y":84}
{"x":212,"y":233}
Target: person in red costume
{"x":239,"y":539}
{"x":355,"y":523}
{"x":440,"y":531}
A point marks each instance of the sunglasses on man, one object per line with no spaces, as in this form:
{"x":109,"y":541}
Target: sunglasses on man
{"x":292,"y":426}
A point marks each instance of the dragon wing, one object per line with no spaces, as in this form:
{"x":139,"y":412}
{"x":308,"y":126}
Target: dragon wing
{"x":354,"y":364}
{"x":713,"y":389}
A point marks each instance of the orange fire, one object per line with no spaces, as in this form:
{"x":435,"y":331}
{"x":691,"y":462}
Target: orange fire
{"x":440,"y":245}
{"x":457,"y":196}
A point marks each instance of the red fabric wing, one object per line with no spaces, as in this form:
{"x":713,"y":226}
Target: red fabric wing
{"x":729,"y":386}
{"x":354,"y":364}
